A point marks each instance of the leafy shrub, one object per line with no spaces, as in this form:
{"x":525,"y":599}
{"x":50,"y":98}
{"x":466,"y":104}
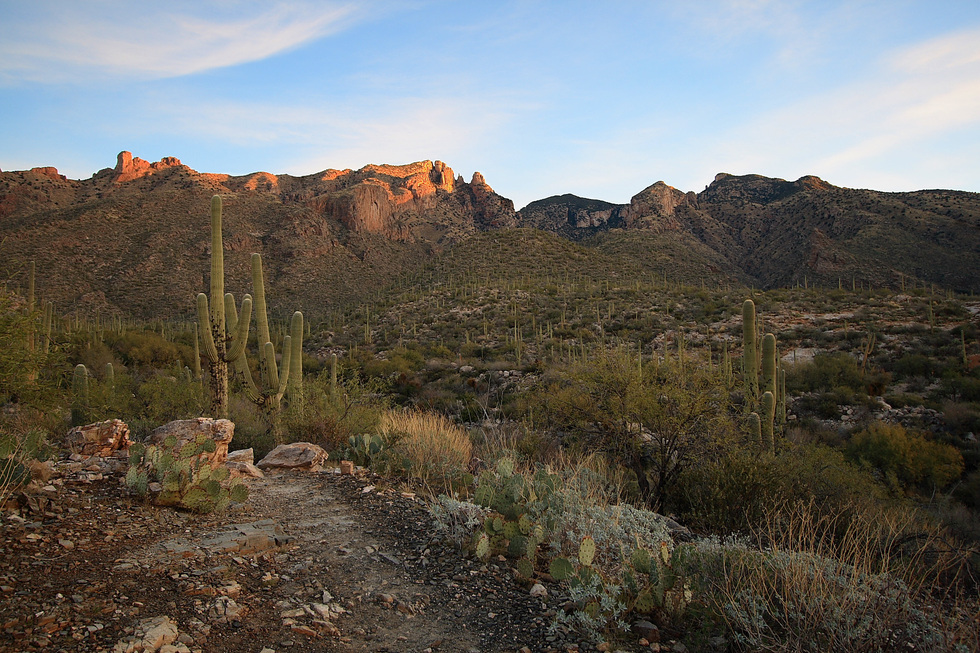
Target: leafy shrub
{"x":733,"y":492}
{"x":163,"y":398}
{"x":654,"y":422}
{"x":826,"y":372}
{"x":329,"y":417}
{"x":906,"y":458}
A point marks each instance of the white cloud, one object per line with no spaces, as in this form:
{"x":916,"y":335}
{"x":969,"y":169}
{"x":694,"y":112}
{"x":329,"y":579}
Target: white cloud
{"x":873,"y":127}
{"x":332,"y":134}
{"x":60,"y":41}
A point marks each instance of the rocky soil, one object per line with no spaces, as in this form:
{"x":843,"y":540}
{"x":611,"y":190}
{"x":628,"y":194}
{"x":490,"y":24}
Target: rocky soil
{"x":314,"y":561}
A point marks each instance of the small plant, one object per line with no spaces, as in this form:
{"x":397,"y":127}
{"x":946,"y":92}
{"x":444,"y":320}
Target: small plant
{"x":644,"y":583}
{"x":186,"y":477}
{"x":365,"y":448}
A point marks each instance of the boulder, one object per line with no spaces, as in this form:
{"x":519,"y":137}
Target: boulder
{"x":102,"y":439}
{"x":297,"y":455}
{"x":187,"y":430}
{"x":241,"y":463}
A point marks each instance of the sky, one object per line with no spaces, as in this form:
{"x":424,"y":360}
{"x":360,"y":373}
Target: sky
{"x":599,"y":99}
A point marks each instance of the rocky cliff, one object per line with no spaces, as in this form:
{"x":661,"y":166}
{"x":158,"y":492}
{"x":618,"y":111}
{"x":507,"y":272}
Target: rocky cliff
{"x":134,"y":238}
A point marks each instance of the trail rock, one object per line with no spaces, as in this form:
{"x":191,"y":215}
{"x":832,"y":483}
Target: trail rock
{"x":151,"y":635}
{"x":187,"y":430}
{"x":101,"y":439}
{"x":242,"y":463}
{"x":298,"y":455}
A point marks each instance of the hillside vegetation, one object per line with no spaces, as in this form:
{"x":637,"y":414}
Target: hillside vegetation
{"x":623,"y":417}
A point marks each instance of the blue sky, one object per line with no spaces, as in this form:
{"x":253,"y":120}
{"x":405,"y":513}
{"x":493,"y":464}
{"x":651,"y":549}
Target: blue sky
{"x":600,"y":99}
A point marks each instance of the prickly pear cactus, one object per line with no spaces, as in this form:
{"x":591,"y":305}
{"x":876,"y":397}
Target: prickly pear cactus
{"x":186,"y":480}
{"x":561,"y":569}
{"x":586,"y":551}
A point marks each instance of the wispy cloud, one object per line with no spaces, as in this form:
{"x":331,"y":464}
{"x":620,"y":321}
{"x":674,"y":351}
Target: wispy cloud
{"x":56,"y":41}
{"x":329,"y":133}
{"x":870,"y":126}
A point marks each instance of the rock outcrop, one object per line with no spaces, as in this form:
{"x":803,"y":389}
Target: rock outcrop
{"x":187,"y":431}
{"x":304,"y":456}
{"x":101,"y":439}
{"x":655,"y":206}
{"x":129,"y":168}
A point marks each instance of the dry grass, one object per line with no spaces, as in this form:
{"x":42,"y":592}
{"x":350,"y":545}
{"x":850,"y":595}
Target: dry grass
{"x":867,"y":583}
{"x":435,"y":449}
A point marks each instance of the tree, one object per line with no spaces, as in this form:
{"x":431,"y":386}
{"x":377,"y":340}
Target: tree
{"x":654,"y":421}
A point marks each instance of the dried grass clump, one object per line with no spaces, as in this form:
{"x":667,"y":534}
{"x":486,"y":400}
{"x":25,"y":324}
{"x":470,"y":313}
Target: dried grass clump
{"x":432,"y":447}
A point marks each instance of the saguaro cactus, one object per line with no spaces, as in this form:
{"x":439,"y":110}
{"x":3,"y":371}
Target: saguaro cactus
{"x":79,"y":390}
{"x":750,"y":366}
{"x":219,"y":347}
{"x":769,"y":364}
{"x":275,"y":380}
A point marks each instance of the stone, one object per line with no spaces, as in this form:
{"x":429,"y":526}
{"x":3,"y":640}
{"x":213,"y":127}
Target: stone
{"x":346,"y":467}
{"x":539,"y":591}
{"x":241,"y":456}
{"x":225,"y":610}
{"x":243,"y":539}
{"x":647,"y":630}
{"x":187,"y":430}
{"x":150,"y":635}
{"x":102,"y":439}
{"x":297,"y":455}
{"x":243,"y":470}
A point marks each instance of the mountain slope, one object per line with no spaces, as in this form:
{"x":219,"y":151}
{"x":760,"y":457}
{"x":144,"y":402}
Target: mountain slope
{"x":135,"y":238}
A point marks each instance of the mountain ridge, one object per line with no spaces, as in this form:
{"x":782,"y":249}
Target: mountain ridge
{"x":134,"y":235}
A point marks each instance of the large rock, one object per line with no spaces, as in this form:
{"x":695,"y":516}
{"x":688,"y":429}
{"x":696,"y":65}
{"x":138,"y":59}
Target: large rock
{"x":102,"y":439}
{"x":187,"y":430}
{"x":242,"y":463}
{"x":297,"y":455}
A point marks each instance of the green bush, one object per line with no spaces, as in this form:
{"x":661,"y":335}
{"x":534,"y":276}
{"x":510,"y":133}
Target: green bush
{"x":905,"y":458}
{"x":826,"y":372}
{"x":655,"y":421}
{"x":735,"y":491}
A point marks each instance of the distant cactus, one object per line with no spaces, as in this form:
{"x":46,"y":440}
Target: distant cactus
{"x":769,"y":364}
{"x":767,"y":419}
{"x":275,"y":381}
{"x":79,"y":388}
{"x":755,"y":427}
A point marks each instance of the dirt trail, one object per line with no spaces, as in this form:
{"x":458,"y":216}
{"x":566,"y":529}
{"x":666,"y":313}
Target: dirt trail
{"x":312,"y":562}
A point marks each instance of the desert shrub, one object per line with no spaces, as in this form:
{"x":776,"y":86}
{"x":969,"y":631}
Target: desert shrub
{"x":655,"y":421}
{"x":826,"y":372}
{"x":163,"y":398}
{"x":328,"y":416}
{"x":428,"y":446}
{"x":905,"y":458}
{"x":148,"y":348}
{"x":734,"y":492}
{"x":968,"y":491}
{"x":811,"y":590}
{"x":911,"y":365}
{"x":961,"y":418}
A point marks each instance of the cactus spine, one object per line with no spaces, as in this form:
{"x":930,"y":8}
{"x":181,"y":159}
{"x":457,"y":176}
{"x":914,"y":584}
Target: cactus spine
{"x":219,"y":347}
{"x":750,"y":367}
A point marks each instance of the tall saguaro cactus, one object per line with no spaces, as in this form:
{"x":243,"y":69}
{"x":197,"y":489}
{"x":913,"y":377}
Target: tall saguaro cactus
{"x":750,"y":366}
{"x":220,"y":348}
{"x":275,"y":380}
